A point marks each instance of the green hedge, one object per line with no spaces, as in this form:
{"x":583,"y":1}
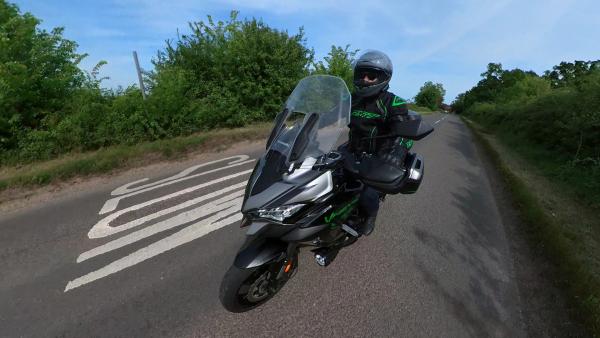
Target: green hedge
{"x":222,"y":74}
{"x":558,"y":115}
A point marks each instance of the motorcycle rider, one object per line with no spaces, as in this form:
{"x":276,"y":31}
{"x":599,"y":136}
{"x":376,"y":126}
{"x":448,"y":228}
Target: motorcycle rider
{"x":375,"y":111}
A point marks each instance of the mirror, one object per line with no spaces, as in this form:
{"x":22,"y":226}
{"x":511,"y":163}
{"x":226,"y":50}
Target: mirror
{"x":303,"y":137}
{"x":277,"y":127}
{"x":413,"y":128}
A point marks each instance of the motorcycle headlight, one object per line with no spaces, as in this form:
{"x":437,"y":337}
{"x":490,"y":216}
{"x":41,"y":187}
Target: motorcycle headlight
{"x":280,"y":213}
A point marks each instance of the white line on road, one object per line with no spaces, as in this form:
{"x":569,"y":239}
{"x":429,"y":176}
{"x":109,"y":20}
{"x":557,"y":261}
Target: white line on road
{"x":181,"y":237}
{"x":217,"y":213}
{"x":112,"y":203}
{"x":103,"y":229}
{"x":175,"y":221}
{"x":440,"y":120}
{"x":124,"y":189}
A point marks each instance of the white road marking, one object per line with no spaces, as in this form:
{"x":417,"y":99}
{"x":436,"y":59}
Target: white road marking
{"x":106,"y":221}
{"x":103,"y":229}
{"x":440,"y":120}
{"x":183,"y":236}
{"x":124,"y":189}
{"x":222,"y":211}
{"x":225,"y":202}
{"x":112,"y":203}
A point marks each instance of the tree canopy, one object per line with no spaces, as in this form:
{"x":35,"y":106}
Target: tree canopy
{"x":38,"y":72}
{"x":431,"y":95}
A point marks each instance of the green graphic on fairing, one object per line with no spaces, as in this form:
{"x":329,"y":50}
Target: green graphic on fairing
{"x":397,"y":101}
{"x":341,"y":213}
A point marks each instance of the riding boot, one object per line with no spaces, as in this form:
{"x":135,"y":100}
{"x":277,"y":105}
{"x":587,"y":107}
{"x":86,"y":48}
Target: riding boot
{"x":368,"y":225}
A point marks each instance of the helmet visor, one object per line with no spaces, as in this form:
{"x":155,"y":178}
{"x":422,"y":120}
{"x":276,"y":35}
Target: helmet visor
{"x":364,"y":77}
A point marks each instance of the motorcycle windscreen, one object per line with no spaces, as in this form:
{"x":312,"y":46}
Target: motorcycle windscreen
{"x":313,"y":123}
{"x":316,"y":120}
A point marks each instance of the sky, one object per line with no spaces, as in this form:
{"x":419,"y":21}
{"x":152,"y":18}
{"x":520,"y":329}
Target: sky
{"x":449,"y":42}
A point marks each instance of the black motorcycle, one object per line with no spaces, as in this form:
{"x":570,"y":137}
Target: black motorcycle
{"x":303,"y":192}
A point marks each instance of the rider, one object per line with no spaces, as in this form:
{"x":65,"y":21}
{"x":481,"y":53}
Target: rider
{"x":375,"y":111}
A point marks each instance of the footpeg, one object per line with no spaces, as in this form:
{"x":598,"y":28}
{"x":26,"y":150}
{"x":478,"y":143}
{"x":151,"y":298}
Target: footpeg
{"x":349,"y":230}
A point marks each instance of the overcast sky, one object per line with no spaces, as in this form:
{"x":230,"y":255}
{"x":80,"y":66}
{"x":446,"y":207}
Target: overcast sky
{"x":450,"y":42}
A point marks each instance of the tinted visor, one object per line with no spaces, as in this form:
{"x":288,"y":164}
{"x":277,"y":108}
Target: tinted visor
{"x":364,"y":77}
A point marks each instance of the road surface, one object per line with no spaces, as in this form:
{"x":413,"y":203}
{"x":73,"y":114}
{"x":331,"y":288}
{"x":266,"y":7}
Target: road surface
{"x":145,"y":258}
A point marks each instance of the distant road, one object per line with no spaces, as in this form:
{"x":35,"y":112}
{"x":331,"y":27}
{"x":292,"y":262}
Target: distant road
{"x":146,"y":257}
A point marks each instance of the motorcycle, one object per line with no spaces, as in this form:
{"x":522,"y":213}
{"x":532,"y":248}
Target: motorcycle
{"x":304,"y":191}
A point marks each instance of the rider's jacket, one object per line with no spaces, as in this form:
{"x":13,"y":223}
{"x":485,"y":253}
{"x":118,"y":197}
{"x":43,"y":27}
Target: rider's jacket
{"x":373,"y":116}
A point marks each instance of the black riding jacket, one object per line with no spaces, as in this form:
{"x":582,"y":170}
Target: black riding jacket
{"x":373,"y":116}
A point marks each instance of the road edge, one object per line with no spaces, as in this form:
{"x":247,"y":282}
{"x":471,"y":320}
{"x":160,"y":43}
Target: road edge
{"x":117,"y":159}
{"x":14,"y":201}
{"x":531,"y":232}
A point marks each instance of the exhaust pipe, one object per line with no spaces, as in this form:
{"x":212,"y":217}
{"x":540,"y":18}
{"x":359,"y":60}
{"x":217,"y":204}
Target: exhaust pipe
{"x":324,"y":256}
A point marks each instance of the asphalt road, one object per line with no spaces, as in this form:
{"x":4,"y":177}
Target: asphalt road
{"x":146,"y":259}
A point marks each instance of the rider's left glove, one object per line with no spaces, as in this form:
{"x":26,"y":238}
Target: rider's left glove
{"x":396,"y":154}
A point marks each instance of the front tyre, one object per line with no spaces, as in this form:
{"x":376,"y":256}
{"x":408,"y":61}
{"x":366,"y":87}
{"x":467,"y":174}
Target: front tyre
{"x":244,"y":289}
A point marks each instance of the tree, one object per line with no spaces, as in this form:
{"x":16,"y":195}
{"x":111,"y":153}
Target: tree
{"x":558,"y":111}
{"x":570,"y":74}
{"x":458,"y":105}
{"x":226,"y":73}
{"x":488,"y":87}
{"x":38,"y":72}
{"x":338,"y":63}
{"x":431,"y":95}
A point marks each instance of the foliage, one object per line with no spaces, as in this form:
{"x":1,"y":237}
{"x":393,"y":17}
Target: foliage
{"x":558,"y":113}
{"x":222,"y":74}
{"x":431,"y":95}
{"x":569,"y":74}
{"x":419,"y":109}
{"x":559,"y":227}
{"x":225,"y":74}
{"x":38,"y":71}
{"x":125,"y":156}
{"x":338,"y":62}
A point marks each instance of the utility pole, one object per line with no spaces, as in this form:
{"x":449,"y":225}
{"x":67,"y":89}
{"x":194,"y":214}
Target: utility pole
{"x":139,"y":73}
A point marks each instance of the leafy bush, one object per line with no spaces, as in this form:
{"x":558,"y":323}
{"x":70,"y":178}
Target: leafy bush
{"x":225,"y":74}
{"x":430,"y":95}
{"x":38,"y":73}
{"x":558,"y":113}
{"x":338,"y":63}
{"x":222,"y":74}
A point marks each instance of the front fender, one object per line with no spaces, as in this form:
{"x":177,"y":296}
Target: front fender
{"x":258,"y":252}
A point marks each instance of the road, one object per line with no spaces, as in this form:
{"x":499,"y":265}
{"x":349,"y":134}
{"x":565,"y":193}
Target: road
{"x":146,"y":259}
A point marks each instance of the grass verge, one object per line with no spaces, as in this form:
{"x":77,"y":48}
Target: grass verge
{"x":419,"y":109}
{"x":125,"y":156}
{"x":567,"y":232}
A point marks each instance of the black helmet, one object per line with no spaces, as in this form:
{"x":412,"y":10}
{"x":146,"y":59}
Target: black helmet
{"x":374,"y":65}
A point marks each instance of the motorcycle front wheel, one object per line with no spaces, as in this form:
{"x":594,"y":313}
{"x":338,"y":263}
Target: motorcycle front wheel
{"x":244,"y":289}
